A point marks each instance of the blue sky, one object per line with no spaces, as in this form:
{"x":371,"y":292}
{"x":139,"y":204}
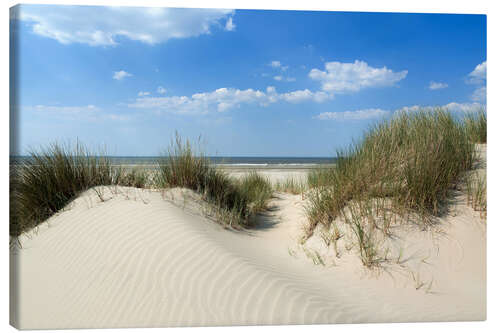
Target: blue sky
{"x":250,"y":82}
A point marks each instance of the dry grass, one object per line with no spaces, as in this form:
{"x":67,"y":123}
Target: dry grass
{"x":291,"y":185}
{"x":475,"y":125}
{"x":475,"y":188}
{"x":184,"y":166}
{"x":49,"y":179}
{"x":257,"y":189}
{"x":403,"y":168}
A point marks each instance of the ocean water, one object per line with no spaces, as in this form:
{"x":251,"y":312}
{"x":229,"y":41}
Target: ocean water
{"x":233,"y":160}
{"x":219,"y":160}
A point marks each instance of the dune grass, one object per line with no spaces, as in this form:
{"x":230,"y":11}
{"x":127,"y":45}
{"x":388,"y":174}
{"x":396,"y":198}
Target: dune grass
{"x":291,"y":185}
{"x":319,"y":177}
{"x":475,"y":125}
{"x":410,"y":162}
{"x":184,"y":166}
{"x":49,"y":179}
{"x":475,"y":188}
{"x":257,"y":189}
{"x":136,"y":177}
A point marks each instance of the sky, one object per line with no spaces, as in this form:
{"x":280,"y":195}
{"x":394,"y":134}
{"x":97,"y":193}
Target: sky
{"x":249,"y":82}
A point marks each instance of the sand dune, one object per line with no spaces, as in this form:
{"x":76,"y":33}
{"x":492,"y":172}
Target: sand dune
{"x":147,"y":259}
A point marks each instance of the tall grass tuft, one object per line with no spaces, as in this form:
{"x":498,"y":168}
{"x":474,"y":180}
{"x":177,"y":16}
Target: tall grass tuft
{"x":290,"y":185}
{"x":183,"y":166}
{"x":475,"y":188}
{"x":475,"y":125}
{"x":49,"y":179}
{"x":137,"y":177}
{"x":413,"y":160}
{"x":257,"y":189}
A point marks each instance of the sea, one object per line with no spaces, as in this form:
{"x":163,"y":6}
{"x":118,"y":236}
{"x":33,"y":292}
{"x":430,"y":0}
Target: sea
{"x":223,"y":161}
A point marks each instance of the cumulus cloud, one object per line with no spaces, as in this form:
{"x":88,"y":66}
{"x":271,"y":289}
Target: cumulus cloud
{"x":224,"y":99}
{"x":464,"y":107}
{"x":351,"y":77}
{"x":305,"y":95}
{"x":103,"y":26}
{"x":437,"y":85}
{"x":120,"y":75}
{"x":143,"y":93}
{"x":479,"y":95}
{"x":221,"y":100}
{"x":478,"y":75}
{"x":353,"y":115}
{"x":230,"y":26}
{"x":161,"y":90}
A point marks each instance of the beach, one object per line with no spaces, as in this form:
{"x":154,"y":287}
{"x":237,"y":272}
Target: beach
{"x":153,"y":258}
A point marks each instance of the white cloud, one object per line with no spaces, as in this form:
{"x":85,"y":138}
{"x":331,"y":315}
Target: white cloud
{"x":120,"y":75}
{"x":224,"y":99}
{"x":278,"y":65}
{"x":143,"y":93}
{"x":452,"y":107}
{"x":275,"y":64}
{"x":305,"y":95}
{"x":101,"y":25}
{"x":412,"y":108}
{"x":75,"y":113}
{"x":463,"y":107}
{"x":351,"y":77}
{"x":220,"y":100}
{"x":479,"y":95}
{"x":161,"y":90}
{"x":376,"y":113}
{"x":353,"y":115}
{"x":437,"y":85}
{"x":64,"y":109}
{"x":230,"y":26}
{"x":478,"y":75}
{"x":286,"y":79}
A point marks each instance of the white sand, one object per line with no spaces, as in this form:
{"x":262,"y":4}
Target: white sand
{"x":141,"y":260}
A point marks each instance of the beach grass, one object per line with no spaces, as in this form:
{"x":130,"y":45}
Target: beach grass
{"x":319,"y":177}
{"x":49,"y":179}
{"x":257,"y":189}
{"x":136,"y":177}
{"x":291,"y":185}
{"x":187,"y":167}
{"x":411,"y":163}
{"x":475,"y":188}
{"x":475,"y":125}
